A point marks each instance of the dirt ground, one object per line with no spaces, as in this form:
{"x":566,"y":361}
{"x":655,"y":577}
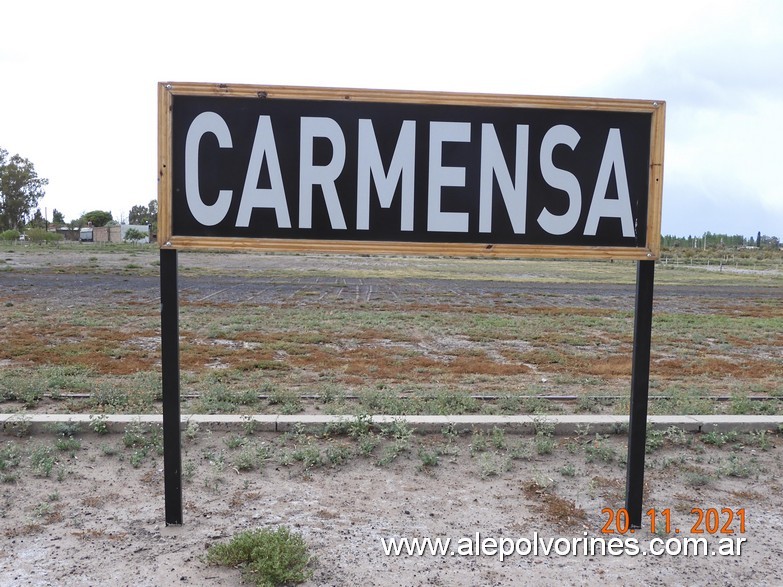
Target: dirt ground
{"x":98,"y":518}
{"x":90,"y":510}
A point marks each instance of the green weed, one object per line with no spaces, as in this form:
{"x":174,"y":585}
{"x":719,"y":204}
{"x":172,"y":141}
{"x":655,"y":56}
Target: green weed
{"x":267,"y":557}
{"x":99,"y":424}
{"x":600,"y":450}
{"x":428,"y":458}
{"x":737,"y":466}
{"x":42,"y":461}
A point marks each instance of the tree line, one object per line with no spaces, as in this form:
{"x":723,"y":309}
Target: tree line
{"x":710,"y":240}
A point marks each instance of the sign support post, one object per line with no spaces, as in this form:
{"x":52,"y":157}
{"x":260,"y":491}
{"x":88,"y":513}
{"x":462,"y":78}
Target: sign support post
{"x":169,"y":334}
{"x":640,"y":386}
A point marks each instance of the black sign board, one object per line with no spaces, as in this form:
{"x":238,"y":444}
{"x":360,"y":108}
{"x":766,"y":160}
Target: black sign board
{"x":350,"y":170}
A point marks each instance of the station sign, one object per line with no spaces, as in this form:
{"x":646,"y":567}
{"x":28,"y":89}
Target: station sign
{"x":360,"y":171}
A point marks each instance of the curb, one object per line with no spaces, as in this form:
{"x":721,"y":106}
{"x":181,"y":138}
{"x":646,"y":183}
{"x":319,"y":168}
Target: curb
{"x":563,"y":425}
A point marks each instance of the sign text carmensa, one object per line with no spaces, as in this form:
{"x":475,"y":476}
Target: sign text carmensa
{"x":275,"y":168}
{"x":357,"y":171}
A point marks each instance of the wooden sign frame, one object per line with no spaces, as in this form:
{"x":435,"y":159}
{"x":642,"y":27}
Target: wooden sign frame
{"x":167,"y":91}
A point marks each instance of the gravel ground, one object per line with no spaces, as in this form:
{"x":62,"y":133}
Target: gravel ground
{"x":101,"y":520}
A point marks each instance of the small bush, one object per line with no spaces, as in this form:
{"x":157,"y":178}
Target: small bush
{"x":266,"y":557}
{"x":9,"y":235}
{"x":41,"y":235}
{"x":99,"y":424}
{"x":42,"y":461}
{"x":134,"y":235}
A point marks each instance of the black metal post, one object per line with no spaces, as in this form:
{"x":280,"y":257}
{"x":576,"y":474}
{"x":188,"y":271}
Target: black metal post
{"x":169,"y":335}
{"x":640,"y":387}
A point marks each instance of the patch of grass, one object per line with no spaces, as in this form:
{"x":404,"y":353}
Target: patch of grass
{"x":478,"y":442}
{"x":221,"y":399}
{"x":492,"y":464}
{"x":740,"y":404}
{"x":288,"y":402}
{"x":718,"y":438}
{"x":697,"y":479}
{"x":68,"y":444}
{"x":397,"y":429}
{"x":498,"y":438}
{"x":544,"y":440}
{"x":545,"y":445}
{"x":367,"y":443}
{"x":453,"y":403}
{"x":738,"y":466}
{"x":568,"y":470}
{"x":520,"y":450}
{"x":19,"y":425}
{"x":192,"y":430}
{"x":599,"y":449}
{"x":267,"y":557}
{"x":760,"y":439}
{"x":234,"y":441}
{"x":109,"y":450}
{"x":188,"y":470}
{"x":654,"y":440}
{"x":246,"y":459}
{"x":428,"y":458}
{"x":337,"y":454}
{"x":141,"y":439}
{"x":360,"y":426}
{"x":109,"y":398}
{"x":391,"y":451}
{"x":310,"y":456}
{"x":677,"y":436}
{"x":42,"y":461}
{"x":10,"y":456}
{"x":99,"y":424}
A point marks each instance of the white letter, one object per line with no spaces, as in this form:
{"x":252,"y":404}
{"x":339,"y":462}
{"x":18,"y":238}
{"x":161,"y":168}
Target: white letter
{"x":603,"y":207}
{"x":514,"y":196}
{"x":465,"y":546}
{"x":325,"y":176}
{"x":439,"y":177}
{"x":252,"y":196}
{"x":208,"y":215}
{"x":370,"y":164}
{"x":506,"y":548}
{"x":561,"y":179}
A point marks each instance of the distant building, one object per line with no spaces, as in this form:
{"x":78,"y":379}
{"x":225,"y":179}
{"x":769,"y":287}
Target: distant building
{"x":112,"y":234}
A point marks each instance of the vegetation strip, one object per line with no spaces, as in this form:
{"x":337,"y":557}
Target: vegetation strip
{"x":563,"y":424}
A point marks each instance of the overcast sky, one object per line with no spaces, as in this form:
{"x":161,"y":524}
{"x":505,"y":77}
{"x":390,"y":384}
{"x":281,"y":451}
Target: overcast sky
{"x":79,"y":96}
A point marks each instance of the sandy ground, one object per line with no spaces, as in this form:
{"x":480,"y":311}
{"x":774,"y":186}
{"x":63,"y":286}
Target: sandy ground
{"x":99,"y":520}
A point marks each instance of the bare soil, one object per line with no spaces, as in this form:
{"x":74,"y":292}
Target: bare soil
{"x":98,"y":516}
{"x":98,"y":519}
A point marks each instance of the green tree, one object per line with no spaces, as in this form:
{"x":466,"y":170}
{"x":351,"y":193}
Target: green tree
{"x":97,"y":217}
{"x":37,"y":221}
{"x":153,"y":208}
{"x":20,"y":190}
{"x":134,"y":235}
{"x":139,"y":215}
{"x":57,"y":217}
